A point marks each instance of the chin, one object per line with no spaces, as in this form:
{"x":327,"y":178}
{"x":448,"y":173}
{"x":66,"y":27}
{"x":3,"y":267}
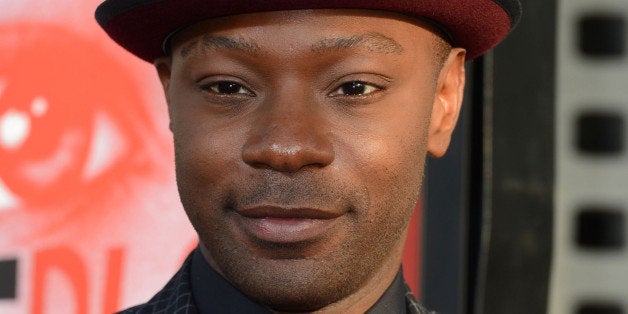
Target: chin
{"x":295,"y":285}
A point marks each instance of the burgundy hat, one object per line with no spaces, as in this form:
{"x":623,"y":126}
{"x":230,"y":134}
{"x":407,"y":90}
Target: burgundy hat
{"x":142,"y":26}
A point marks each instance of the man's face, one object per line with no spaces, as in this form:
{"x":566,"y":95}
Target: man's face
{"x":300,"y":141}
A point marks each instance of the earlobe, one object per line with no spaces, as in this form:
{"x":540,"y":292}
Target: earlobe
{"x":447,"y":103}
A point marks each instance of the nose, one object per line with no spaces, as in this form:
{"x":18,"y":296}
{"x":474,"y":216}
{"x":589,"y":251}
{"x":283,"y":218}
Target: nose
{"x":288,"y":138}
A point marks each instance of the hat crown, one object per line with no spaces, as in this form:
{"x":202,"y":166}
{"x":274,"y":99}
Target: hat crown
{"x":142,"y":26}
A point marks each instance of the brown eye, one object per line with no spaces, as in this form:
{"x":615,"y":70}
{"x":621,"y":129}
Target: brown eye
{"x":355,"y":88}
{"x":227,"y":88}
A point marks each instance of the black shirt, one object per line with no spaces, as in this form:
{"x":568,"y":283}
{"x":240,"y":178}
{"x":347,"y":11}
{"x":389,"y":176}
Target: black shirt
{"x":213,"y":294}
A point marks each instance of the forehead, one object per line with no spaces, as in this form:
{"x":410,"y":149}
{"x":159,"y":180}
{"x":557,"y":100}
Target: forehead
{"x":314,"y":30}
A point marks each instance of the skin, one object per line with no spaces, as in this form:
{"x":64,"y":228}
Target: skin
{"x":308,"y":118}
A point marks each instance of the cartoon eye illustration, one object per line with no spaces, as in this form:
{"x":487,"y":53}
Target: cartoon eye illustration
{"x":72,"y":127}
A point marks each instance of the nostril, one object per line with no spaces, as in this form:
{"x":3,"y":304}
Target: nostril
{"x":287,"y":136}
{"x":290,"y":156}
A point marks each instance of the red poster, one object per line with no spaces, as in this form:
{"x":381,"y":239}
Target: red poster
{"x":88,"y":202}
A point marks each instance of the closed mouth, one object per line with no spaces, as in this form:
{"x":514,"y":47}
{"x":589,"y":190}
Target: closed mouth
{"x":285,"y":225}
{"x":287,"y":212}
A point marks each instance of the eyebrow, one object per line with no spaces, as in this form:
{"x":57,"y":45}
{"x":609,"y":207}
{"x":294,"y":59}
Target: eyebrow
{"x":374,"y":42}
{"x":220,"y":42}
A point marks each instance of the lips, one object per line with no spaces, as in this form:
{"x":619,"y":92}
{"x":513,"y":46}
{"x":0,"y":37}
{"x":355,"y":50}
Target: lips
{"x":283,"y":225}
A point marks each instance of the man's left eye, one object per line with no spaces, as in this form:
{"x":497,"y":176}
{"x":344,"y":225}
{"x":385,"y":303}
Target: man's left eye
{"x":355,"y":88}
{"x":227,"y":88}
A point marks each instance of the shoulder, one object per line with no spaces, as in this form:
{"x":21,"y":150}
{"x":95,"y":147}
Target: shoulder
{"x":175,"y":297}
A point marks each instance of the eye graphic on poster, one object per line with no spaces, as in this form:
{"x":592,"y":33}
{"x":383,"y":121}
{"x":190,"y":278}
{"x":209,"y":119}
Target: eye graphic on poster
{"x":66,"y":121}
{"x":85,"y":174}
{"x":70,"y":129}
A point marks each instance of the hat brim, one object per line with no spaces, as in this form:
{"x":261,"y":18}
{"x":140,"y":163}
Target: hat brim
{"x":142,"y":26}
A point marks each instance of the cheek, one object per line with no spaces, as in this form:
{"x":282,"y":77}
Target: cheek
{"x":205,"y":155}
{"x":204,"y":164}
{"x":396,"y":169}
{"x":390,"y":169}
{"x":390,"y":158}
{"x":391,"y":152}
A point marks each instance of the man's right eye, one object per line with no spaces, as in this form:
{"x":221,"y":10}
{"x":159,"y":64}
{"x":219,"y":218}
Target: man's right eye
{"x":226,"y":88}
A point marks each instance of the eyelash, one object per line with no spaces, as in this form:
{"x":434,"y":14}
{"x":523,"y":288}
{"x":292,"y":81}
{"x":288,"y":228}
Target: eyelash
{"x":215,"y":87}
{"x":364,"y":89}
{"x":368,"y":89}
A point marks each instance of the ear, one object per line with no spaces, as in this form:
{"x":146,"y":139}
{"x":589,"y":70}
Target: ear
{"x":164,"y":70}
{"x":447,"y":103}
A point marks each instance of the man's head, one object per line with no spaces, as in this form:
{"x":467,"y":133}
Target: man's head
{"x":300,"y":139}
